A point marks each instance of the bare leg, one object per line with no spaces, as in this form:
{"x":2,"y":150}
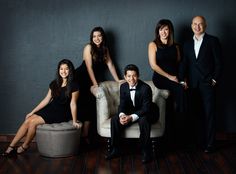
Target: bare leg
{"x":32,"y":125}
{"x":19,"y":135}
{"x":22,"y":131}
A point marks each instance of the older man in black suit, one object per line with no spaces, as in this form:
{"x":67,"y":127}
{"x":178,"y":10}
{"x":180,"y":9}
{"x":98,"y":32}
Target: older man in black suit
{"x":135,"y":106}
{"x":201,"y":66}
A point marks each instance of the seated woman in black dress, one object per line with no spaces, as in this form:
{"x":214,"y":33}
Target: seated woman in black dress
{"x":164,"y":57}
{"x":59,"y":105}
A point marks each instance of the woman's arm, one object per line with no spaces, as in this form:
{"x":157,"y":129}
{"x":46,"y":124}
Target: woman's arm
{"x":42,"y":104}
{"x":73,"y":107}
{"x":89,"y":65}
{"x":152,"y":49}
{"x":112,"y":67}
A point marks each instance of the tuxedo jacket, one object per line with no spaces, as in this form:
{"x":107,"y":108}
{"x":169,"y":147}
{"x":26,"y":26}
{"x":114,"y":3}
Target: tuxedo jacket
{"x":206,"y":66}
{"x":143,"y":101}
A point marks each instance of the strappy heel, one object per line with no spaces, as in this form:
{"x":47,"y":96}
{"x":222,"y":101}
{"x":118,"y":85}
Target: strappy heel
{"x":11,"y":151}
{"x":21,"y":149}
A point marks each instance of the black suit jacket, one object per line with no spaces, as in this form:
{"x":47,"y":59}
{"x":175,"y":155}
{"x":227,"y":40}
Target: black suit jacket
{"x":208,"y":64}
{"x":143,"y":101}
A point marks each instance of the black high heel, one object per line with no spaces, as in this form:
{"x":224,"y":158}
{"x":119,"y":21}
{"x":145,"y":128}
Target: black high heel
{"x":21,"y":149}
{"x":11,"y":152}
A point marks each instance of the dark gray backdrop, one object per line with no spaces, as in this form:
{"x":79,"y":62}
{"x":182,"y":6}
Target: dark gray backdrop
{"x":36,"y":34}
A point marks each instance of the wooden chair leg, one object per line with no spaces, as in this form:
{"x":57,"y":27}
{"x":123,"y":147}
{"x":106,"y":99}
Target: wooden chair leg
{"x":154,"y":145}
{"x":108,"y":145}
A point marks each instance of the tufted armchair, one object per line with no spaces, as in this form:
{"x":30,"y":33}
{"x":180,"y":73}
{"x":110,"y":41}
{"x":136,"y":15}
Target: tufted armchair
{"x":107,"y":101}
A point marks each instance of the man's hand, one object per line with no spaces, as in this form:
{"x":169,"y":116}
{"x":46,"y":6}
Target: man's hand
{"x":125,"y":119}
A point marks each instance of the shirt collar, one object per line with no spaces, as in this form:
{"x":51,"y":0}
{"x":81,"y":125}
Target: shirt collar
{"x":200,"y":38}
{"x":133,"y":87}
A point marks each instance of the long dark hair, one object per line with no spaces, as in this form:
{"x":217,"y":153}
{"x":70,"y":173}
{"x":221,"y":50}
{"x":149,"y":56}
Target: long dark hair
{"x":57,"y":83}
{"x":162,"y":23}
{"x":99,"y":53}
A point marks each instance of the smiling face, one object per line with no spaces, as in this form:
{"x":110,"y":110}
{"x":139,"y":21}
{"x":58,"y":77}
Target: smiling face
{"x":131,"y":77}
{"x":164,"y":32}
{"x":198,"y":25}
{"x":64,"y":71}
{"x":97,"y":38}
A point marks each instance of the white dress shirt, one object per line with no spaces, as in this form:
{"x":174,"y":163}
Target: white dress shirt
{"x":197,"y":44}
{"x":132,"y":96}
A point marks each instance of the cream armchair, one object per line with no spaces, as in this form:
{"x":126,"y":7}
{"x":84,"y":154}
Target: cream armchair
{"x":107,"y":101}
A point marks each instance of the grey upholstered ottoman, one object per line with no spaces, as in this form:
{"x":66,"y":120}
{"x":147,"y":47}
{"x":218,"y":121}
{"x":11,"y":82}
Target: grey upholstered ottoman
{"x":58,"y":139}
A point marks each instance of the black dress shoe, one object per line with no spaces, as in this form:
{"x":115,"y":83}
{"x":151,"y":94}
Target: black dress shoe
{"x":114,"y":154}
{"x":209,"y":149}
{"x":146,"y":157}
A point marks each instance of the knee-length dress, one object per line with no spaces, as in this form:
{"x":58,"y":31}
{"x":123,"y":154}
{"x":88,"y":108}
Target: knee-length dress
{"x":58,"y":110}
{"x":87,"y":102}
{"x":167,"y":59}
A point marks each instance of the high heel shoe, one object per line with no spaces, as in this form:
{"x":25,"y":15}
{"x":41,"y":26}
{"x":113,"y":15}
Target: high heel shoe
{"x":21,"y":149}
{"x":11,"y":151}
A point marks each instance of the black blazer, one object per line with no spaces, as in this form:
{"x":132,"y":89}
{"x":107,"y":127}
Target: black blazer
{"x":143,"y":99}
{"x":208,"y":64}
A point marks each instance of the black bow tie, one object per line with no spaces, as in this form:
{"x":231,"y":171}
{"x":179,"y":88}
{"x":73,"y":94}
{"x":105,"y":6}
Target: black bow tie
{"x":132,"y":89}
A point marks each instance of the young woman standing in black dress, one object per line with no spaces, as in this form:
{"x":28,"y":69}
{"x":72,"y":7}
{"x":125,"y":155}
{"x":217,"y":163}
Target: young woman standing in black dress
{"x":92,"y":71}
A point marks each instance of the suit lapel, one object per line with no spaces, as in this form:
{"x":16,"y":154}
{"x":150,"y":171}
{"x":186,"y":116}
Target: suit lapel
{"x":128,"y":93}
{"x":137,"y":93}
{"x":192,"y":51}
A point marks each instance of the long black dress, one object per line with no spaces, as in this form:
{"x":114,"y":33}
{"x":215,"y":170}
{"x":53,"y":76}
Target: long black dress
{"x":58,"y":110}
{"x":86,"y":101}
{"x":166,"y":58}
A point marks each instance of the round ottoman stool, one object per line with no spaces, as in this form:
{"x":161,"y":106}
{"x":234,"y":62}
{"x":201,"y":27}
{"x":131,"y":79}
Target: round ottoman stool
{"x":58,"y":139}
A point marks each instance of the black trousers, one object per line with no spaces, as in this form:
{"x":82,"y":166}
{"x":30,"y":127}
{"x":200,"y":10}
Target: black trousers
{"x":117,"y":129}
{"x":202,"y":108}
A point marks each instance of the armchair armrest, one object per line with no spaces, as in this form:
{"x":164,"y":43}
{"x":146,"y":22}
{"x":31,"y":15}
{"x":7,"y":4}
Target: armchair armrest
{"x":164,"y":93}
{"x":103,"y":112}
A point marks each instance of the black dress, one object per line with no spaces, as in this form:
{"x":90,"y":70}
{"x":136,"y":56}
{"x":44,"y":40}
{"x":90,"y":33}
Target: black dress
{"x":166,"y":58}
{"x":58,"y":110}
{"x":87,"y":102}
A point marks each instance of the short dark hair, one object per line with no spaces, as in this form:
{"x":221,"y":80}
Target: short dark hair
{"x":131,"y":67}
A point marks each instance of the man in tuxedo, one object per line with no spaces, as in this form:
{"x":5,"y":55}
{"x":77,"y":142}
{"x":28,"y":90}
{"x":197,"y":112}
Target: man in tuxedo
{"x":201,"y":66}
{"x":135,"y":106}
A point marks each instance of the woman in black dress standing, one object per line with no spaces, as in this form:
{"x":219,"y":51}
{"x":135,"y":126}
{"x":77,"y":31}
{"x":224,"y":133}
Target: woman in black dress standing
{"x":96,"y":59}
{"x":164,"y":57}
{"x":59,"y":105}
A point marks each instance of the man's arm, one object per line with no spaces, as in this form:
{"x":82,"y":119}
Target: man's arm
{"x":216,"y":49}
{"x":146,"y":100}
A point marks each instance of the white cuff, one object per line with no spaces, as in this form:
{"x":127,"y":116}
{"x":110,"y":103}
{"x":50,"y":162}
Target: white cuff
{"x":121,"y":114}
{"x":214,"y":80}
{"x":134,"y":117}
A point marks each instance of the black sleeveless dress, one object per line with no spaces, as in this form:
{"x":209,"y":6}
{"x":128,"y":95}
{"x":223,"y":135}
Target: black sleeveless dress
{"x":58,"y":110}
{"x":87,"y":102}
{"x":166,"y":58}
